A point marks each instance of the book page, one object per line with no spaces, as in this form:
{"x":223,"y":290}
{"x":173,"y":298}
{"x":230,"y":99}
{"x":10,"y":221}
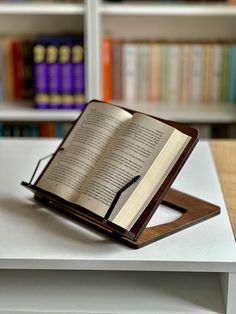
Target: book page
{"x":129,"y":211}
{"x":132,"y":153}
{"x":83,"y":149}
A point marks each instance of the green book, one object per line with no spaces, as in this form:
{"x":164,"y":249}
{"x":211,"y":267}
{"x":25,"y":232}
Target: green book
{"x":225,"y":65}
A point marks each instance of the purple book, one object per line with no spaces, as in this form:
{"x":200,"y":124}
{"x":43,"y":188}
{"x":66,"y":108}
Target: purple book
{"x":53,"y":75}
{"x":66,"y":69}
{"x":41,"y":99}
{"x":78,"y":76}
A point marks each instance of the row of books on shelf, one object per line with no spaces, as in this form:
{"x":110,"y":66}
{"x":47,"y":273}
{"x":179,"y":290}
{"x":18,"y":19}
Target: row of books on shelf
{"x":208,"y":131}
{"x":46,"y":68}
{"x":60,"y":130}
{"x":169,"y":71}
{"x":42,"y":129}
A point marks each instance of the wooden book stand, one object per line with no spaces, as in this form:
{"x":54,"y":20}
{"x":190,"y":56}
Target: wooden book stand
{"x":193,"y":209}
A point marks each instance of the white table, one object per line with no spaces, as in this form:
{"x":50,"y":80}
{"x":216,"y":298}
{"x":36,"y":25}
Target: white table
{"x":52,"y":265}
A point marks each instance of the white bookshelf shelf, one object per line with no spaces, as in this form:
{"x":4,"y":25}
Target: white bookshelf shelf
{"x":169,"y":9}
{"x":25,"y":113}
{"x":177,"y":293}
{"x":222,"y":113}
{"x":197,"y":113}
{"x":41,"y":8}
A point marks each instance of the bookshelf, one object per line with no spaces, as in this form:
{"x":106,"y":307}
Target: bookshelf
{"x":26,"y":20}
{"x":169,"y":9}
{"x":41,"y":8}
{"x":74,"y":286}
{"x":181,"y":22}
{"x":18,"y":111}
{"x":122,"y":20}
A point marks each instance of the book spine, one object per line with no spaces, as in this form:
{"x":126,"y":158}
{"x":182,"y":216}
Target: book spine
{"x":25,"y":131}
{"x":40,"y":77}
{"x":59,"y":130}
{"x":185,"y":67}
{"x":197,"y":74}
{"x":164,"y":72}
{"x":143,"y":72}
{"x":66,"y":67}
{"x":26,"y":69}
{"x":47,"y":129}
{"x":154,"y":70}
{"x":34,"y":130}
{"x":7,"y":130}
{"x":225,"y":71}
{"x":216,"y":73}
{"x":173,"y":74}
{"x":78,"y":76}
{"x":1,"y":71}
{"x":130,"y":73}
{"x":1,"y":129}
{"x":7,"y":71}
{"x":107,"y":68}
{"x":116,"y":70}
{"x":53,"y":74}
{"x":16,"y":68}
{"x":231,"y":96}
{"x":207,"y":59}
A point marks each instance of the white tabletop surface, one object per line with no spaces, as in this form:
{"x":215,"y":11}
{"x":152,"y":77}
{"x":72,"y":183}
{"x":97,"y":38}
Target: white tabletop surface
{"x":32,"y":237}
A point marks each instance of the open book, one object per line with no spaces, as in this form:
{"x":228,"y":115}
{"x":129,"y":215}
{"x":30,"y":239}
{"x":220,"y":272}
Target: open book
{"x":109,"y":148}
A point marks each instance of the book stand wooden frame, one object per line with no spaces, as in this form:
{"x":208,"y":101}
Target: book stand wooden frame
{"x":193,"y":210}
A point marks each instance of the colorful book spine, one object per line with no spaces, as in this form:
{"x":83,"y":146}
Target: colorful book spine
{"x":106,"y":68}
{"x":78,"y":74}
{"x":7,"y":69}
{"x":130,"y":73}
{"x":47,"y":129}
{"x":53,"y":75}
{"x":164,"y":72}
{"x":174,"y":74}
{"x":66,"y":68}
{"x":1,"y":129}
{"x":197,"y":74}
{"x":207,"y":77}
{"x":34,"y":130}
{"x":116,"y":70}
{"x":1,"y":72}
{"x":225,"y":71}
{"x":185,"y":77}
{"x":59,"y":132}
{"x":216,"y":73}
{"x":231,"y":91}
{"x":16,"y":68}
{"x":27,"y":69}
{"x":154,"y":72}
{"x":143,"y":72}
{"x":40,"y":76}
{"x":7,"y":130}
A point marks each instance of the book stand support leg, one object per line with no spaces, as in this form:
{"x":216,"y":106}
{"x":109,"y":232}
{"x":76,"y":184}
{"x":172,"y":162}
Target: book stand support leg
{"x":194,"y":210}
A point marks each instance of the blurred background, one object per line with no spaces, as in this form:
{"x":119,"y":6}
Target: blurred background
{"x":175,"y":60}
